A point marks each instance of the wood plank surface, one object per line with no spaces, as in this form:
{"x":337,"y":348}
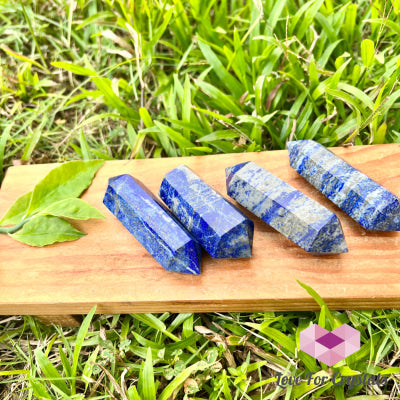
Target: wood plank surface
{"x":108,"y":267}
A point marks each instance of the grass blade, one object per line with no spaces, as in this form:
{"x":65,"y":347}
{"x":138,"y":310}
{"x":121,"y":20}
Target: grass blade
{"x":231,"y":83}
{"x":150,"y":320}
{"x":83,"y":330}
{"x":51,"y":372}
{"x":320,"y":302}
{"x":146,"y":385}
{"x":3,"y":141}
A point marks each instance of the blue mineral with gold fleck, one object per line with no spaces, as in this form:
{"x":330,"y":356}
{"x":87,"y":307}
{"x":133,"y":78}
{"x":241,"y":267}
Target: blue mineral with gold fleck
{"x":153,"y":225}
{"x":366,"y":201}
{"x":223,"y":230}
{"x":302,"y":220}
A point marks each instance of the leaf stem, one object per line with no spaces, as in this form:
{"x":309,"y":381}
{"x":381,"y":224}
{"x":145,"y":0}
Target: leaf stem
{"x":14,"y":228}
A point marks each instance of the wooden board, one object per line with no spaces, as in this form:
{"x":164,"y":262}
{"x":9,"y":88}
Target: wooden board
{"x":108,"y":267}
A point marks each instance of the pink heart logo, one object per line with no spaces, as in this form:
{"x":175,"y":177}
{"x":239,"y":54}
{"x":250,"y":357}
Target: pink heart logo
{"x":330,"y":347}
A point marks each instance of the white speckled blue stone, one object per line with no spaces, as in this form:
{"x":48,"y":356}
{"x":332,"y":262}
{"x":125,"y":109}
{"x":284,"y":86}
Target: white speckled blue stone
{"x":302,"y":220}
{"x":152,"y":225}
{"x":367,"y":202}
{"x":223,"y":230}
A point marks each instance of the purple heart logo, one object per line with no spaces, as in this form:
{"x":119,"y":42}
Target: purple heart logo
{"x":330,"y":347}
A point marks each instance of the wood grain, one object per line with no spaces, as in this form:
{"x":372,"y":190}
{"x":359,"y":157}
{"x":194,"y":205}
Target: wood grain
{"x":108,"y":267}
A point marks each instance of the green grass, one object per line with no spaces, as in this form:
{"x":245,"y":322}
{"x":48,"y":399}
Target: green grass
{"x":119,"y":79}
{"x":113,"y":80}
{"x":206,"y":356}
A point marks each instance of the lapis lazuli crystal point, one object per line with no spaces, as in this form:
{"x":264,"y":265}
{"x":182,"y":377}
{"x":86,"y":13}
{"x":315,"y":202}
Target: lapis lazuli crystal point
{"x":366,"y":201}
{"x":230,"y":171}
{"x":153,"y":225}
{"x":223,"y":230}
{"x":302,"y":220}
{"x":331,"y":232}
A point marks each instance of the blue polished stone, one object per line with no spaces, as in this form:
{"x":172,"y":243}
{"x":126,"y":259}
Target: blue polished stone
{"x":302,"y":220}
{"x":223,"y":230}
{"x":367,"y":202}
{"x":152,"y":225}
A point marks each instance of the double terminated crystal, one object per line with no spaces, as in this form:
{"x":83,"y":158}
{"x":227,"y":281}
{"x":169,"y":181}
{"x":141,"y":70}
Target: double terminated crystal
{"x":220,"y":227}
{"x":308,"y":224}
{"x":152,"y":225}
{"x":367,"y":202}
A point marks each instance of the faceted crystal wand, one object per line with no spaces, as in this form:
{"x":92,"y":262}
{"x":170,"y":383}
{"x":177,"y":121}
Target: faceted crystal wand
{"x":152,"y":225}
{"x":302,"y":220}
{"x":367,"y":202}
{"x":219,"y":226}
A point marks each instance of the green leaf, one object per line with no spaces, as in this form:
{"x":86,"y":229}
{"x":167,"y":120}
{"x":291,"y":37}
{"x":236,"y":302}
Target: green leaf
{"x":88,"y":368}
{"x":259,"y":94}
{"x":76,"y":69}
{"x":133,"y":394}
{"x":279,"y":337}
{"x":42,"y":230}
{"x":390,"y":370}
{"x":39,"y":389}
{"x":385,"y":22}
{"x":63,"y":182}
{"x":21,"y":57}
{"x":64,"y":361}
{"x":274,"y":15}
{"x":174,"y":135}
{"x":112,"y":100}
{"x":335,"y":79}
{"x":349,"y":100}
{"x":17,"y":211}
{"x":224,"y":102}
{"x":225,"y":388}
{"x":380,"y":57}
{"x":137,"y":150}
{"x":150,"y":320}
{"x":231,"y":83}
{"x":199,"y":149}
{"x":327,"y":26}
{"x":182,"y":344}
{"x":147,"y":343}
{"x":359,"y":94}
{"x":98,"y":17}
{"x":217,"y":135}
{"x":396,"y":6}
{"x":320,"y":302}
{"x":367,"y":52}
{"x":161,"y":29}
{"x":79,"y":343}
{"x":181,"y":378}
{"x":51,"y":372}
{"x":33,"y":140}
{"x":72,"y":208}
{"x":389,"y":102}
{"x":84,"y":146}
{"x":213,"y":114}
{"x":146,"y":385}
{"x":15,"y":372}
{"x":186,"y":105}
{"x":322,"y":61}
{"x":380,"y":134}
{"x":305,"y":16}
{"x":144,"y":114}
{"x":163,"y":139}
{"x":4,"y":137}
{"x":349,"y":26}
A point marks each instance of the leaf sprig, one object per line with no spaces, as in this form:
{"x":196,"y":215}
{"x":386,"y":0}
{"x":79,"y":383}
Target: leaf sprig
{"x":37,"y":217}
